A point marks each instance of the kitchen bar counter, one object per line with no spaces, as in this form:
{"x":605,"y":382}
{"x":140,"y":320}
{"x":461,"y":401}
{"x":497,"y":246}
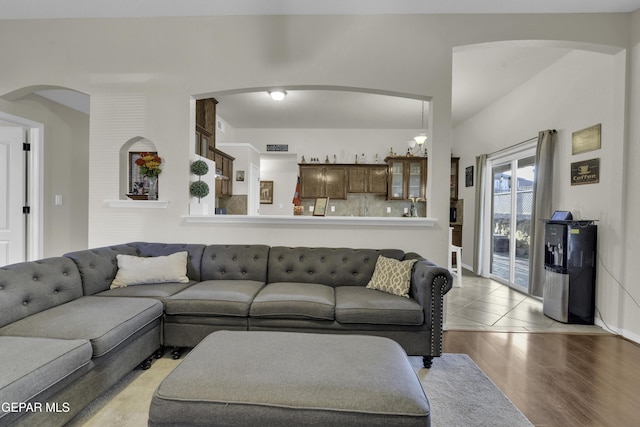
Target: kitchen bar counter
{"x":306,"y":220}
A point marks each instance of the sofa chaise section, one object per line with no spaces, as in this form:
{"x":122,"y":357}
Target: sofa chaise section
{"x":43,"y":302}
{"x":35,"y":369}
{"x":105,"y":323}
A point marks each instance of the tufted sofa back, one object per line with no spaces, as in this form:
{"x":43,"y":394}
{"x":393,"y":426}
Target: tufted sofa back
{"x":235,"y":262}
{"x":163,"y":249}
{"x":99,"y":266}
{"x":327,"y":266}
{"x":31,"y":287}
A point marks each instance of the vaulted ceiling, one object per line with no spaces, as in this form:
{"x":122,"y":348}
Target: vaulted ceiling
{"x":480,"y":77}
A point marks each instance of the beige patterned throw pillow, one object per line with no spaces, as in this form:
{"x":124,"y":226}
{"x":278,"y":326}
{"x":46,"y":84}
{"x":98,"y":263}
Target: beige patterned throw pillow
{"x":392,"y":276}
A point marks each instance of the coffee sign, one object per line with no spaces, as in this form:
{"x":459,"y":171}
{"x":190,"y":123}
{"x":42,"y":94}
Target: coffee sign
{"x":585,"y":172}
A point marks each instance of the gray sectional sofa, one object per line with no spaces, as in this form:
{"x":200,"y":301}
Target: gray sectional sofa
{"x":66,"y":334}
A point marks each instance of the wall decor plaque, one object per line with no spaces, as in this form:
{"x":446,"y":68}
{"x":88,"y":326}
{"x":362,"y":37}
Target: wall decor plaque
{"x":586,"y":139}
{"x":585,"y":172}
{"x":468,"y":176}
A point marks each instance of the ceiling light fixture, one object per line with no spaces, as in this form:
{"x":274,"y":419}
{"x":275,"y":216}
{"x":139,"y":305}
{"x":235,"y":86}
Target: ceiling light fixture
{"x":422,"y":137}
{"x":277,"y":95}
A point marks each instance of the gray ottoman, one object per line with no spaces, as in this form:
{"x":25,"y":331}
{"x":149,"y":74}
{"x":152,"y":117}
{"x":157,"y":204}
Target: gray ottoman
{"x":291,"y":379}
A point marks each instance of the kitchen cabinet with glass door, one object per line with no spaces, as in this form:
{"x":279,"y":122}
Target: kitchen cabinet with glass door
{"x":407,"y":177}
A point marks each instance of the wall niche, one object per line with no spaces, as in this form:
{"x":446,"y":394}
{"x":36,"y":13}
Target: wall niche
{"x":131,"y":184}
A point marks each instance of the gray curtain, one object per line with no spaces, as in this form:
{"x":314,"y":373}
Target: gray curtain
{"x":542,"y":192}
{"x":478,"y":223}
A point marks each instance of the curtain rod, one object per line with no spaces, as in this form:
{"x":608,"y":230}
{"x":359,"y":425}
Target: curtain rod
{"x":514,"y":146}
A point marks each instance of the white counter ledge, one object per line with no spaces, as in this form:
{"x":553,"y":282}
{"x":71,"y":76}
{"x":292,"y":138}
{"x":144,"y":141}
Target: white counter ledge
{"x":306,"y":220}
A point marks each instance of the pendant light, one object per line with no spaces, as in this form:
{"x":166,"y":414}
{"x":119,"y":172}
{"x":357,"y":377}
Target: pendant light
{"x":422,"y":137}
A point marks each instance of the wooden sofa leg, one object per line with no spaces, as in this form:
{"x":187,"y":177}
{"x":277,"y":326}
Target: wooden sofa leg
{"x":427,"y":361}
{"x":176,"y":352}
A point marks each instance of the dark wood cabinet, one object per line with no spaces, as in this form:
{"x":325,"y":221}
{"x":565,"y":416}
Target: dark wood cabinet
{"x":206,"y":116}
{"x":371,"y":179}
{"x":323,"y":181}
{"x":205,"y":145}
{"x":224,"y":172}
{"x":453,"y":184}
{"x":407,"y":177}
{"x":312,"y":182}
{"x":203,"y":141}
{"x":335,"y":182}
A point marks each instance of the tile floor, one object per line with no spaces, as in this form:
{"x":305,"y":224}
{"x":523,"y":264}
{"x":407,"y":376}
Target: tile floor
{"x":485,"y":305}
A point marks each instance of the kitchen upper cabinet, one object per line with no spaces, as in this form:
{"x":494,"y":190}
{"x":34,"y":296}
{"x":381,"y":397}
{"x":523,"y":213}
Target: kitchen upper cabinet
{"x":323,"y":181}
{"x":312,"y":182}
{"x":336,"y":182}
{"x":370,"y":179}
{"x":407,"y":177}
{"x":455,"y":170}
{"x":224,"y":172}
{"x":206,"y":117}
{"x":204,"y":141}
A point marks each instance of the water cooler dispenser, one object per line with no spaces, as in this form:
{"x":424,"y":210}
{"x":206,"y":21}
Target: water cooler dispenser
{"x":570,"y":270}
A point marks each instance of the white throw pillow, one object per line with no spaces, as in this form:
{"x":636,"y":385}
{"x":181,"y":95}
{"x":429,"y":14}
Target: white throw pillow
{"x":134,"y":270}
{"x":392,"y":276}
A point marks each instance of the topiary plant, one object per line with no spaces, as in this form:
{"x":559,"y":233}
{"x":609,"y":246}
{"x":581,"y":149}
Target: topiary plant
{"x":199,"y":167}
{"x":199,"y":189}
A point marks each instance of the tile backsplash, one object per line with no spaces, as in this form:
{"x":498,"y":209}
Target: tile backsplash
{"x":355,"y":205}
{"x":366,"y":205}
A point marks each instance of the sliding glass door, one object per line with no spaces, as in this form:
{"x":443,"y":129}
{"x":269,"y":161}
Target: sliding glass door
{"x":511,"y":209}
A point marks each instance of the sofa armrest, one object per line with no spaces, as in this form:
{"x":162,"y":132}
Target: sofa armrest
{"x":429,"y":284}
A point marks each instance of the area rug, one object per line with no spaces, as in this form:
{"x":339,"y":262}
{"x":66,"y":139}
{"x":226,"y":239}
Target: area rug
{"x":459,"y":394}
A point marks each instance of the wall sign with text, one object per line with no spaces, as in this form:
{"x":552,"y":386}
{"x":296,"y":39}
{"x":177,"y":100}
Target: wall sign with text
{"x":585,"y":172}
{"x":586,"y":139}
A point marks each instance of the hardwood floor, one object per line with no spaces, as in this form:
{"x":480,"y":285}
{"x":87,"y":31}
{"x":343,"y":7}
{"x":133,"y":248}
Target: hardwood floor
{"x":559,"y":379}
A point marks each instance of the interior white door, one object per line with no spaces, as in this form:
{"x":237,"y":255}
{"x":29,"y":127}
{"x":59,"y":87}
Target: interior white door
{"x":12,"y":188}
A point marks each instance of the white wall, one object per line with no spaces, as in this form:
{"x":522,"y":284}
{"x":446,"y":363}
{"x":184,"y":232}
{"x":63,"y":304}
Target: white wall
{"x":282,"y":169}
{"x":625,"y":312}
{"x":564,"y":98}
{"x":141,"y":74}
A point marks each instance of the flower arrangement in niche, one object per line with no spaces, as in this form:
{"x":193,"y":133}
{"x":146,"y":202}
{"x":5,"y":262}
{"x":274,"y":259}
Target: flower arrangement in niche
{"x":199,"y":188}
{"x":149,"y":164}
